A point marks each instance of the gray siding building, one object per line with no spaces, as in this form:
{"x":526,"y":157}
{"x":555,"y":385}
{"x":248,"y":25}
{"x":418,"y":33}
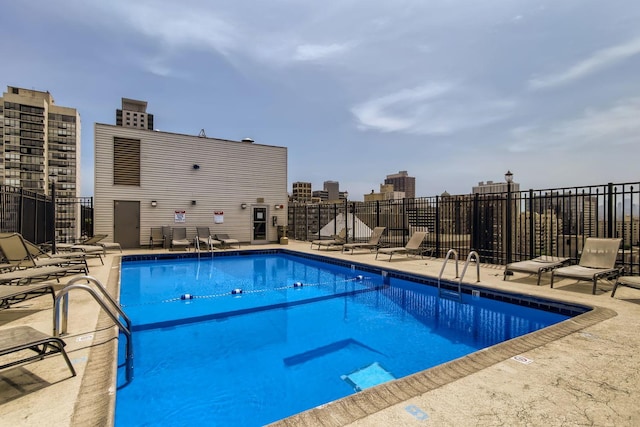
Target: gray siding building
{"x":146,"y":178}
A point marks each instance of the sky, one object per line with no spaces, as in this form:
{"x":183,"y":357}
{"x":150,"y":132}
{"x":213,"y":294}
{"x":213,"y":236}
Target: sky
{"x":453,"y":91}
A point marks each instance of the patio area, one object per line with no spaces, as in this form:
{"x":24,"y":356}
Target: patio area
{"x":581,"y":372}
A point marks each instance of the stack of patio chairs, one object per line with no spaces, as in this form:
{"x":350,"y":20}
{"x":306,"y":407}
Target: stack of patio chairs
{"x":26,"y":269}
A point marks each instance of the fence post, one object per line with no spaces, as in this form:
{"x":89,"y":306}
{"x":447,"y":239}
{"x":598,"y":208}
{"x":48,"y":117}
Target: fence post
{"x":531,"y":227}
{"x":509,"y":224}
{"x":610,"y":210}
{"x":404,"y":222}
{"x":437,"y":230}
{"x":475,"y":238}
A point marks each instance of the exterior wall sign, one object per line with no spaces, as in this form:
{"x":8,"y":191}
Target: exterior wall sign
{"x":180,"y":216}
{"x":218,"y":217}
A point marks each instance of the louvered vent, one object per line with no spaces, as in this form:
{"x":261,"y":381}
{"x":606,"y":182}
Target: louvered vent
{"x":126,"y":161}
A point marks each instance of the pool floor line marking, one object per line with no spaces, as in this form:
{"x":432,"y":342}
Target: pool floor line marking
{"x":243,"y":311}
{"x":305,"y":356}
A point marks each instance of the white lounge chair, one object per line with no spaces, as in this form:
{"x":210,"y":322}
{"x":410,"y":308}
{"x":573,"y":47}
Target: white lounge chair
{"x":597,"y":261}
{"x":204,"y":238}
{"x":179,"y":238}
{"x":413,"y":246}
{"x":335,"y":240}
{"x":628,"y":281}
{"x":537,"y":266}
{"x":373,"y":243}
{"x":226,"y":240}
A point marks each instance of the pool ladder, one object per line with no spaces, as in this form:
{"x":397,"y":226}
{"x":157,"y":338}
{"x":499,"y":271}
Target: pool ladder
{"x":108,"y":304}
{"x":447,"y":292}
{"x":196,"y":245}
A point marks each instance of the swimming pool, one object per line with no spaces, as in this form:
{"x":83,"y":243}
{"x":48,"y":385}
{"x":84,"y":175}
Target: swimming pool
{"x":276,"y":348}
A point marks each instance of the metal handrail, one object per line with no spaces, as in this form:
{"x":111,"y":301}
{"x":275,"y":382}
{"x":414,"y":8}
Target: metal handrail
{"x":466,"y":264}
{"x":60,"y":319}
{"x":444,"y":264}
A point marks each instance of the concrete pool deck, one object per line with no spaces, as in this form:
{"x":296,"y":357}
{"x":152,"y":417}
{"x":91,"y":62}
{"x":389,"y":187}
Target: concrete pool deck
{"x":584,"y":371}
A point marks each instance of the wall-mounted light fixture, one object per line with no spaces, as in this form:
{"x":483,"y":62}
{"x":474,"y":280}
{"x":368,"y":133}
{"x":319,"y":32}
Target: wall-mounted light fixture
{"x":196,"y":166}
{"x":154,"y":203}
{"x":243,"y":206}
{"x":279,"y":206}
{"x":193,"y":202}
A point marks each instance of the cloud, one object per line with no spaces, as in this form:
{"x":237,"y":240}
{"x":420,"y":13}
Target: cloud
{"x":313,"y":52}
{"x":179,"y":27}
{"x":432,"y":109}
{"x":598,"y":61}
{"x":618,"y":125}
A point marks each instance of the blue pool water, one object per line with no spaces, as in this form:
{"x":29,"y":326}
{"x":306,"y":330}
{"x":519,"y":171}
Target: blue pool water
{"x":277,"y":349}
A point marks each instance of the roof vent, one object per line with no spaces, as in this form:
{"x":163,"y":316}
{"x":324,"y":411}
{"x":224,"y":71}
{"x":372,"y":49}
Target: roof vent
{"x":249,"y":140}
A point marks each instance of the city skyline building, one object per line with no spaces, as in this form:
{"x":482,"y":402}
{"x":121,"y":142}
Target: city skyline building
{"x":301,"y":192}
{"x":40,"y":142}
{"x":330,"y":193}
{"x":494,"y":187}
{"x":387,"y":192}
{"x":403,"y":182}
{"x":133,"y":114}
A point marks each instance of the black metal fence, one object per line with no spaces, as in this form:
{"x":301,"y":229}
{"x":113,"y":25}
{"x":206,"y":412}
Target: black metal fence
{"x":500,"y":227}
{"x":31,"y":214}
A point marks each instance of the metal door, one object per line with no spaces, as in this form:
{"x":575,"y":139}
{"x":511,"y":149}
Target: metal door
{"x":126,"y":223}
{"x":260,"y":224}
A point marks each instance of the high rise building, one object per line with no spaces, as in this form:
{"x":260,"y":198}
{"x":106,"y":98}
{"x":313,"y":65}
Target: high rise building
{"x":331,"y":193}
{"x":40,"y":140}
{"x":494,"y":187}
{"x":333,"y":190}
{"x":134,"y":115}
{"x":387,"y":192}
{"x":403,"y":182}
{"x":301,"y":192}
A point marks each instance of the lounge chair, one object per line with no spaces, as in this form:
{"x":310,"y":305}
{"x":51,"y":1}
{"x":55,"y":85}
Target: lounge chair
{"x":204,"y":237}
{"x":94,"y":242}
{"x":156,"y":238}
{"x":86,"y":241}
{"x":335,"y":240}
{"x":107,"y":246}
{"x":226,"y":241}
{"x":18,"y":252}
{"x":628,"y":281}
{"x":413,"y":246}
{"x":11,"y":294}
{"x":537,"y":266}
{"x":373,"y":243}
{"x":179,"y":238}
{"x":88,"y":246}
{"x":43,"y":258}
{"x":20,"y":338}
{"x":597,"y":261}
{"x":26,"y":269}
